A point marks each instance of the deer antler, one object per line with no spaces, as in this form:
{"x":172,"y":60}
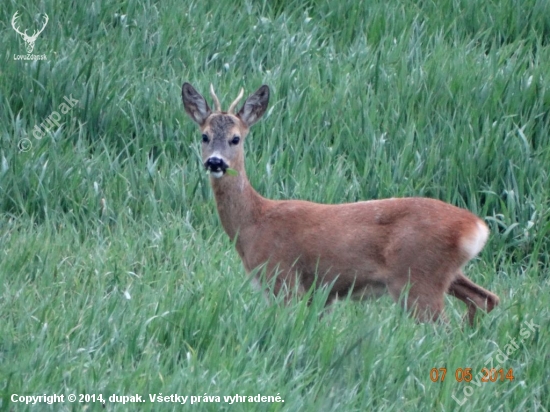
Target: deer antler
{"x":13,"y":24}
{"x":216,"y":100}
{"x":46,"y":19}
{"x":236,"y":102}
{"x":25,"y":35}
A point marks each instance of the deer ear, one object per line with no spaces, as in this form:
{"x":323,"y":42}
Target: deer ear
{"x":255,"y":106}
{"x":195,"y":105}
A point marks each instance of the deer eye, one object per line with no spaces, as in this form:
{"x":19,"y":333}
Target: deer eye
{"x":235,"y":140}
{"x":205,"y":138}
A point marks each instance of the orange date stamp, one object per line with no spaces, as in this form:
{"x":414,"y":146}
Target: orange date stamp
{"x":465,"y":375}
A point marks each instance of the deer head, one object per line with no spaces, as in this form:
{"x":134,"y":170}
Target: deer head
{"x":29,"y":40}
{"x":224,"y":132}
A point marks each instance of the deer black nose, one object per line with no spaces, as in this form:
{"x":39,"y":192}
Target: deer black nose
{"x":215,"y":164}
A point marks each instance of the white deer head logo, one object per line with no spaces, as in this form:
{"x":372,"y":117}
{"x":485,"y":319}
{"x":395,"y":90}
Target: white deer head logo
{"x":29,"y":40}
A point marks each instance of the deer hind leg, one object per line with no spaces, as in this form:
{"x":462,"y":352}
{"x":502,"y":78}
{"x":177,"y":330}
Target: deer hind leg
{"x":473,"y":295}
{"x":426,"y":301}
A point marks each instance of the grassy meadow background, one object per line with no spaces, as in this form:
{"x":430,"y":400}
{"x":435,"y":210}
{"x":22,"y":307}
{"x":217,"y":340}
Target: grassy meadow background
{"x":116,"y":276}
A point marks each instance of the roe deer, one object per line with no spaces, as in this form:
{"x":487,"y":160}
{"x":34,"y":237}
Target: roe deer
{"x":362,"y":248}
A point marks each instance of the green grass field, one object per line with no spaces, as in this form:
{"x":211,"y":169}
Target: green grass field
{"x":117,"y":277}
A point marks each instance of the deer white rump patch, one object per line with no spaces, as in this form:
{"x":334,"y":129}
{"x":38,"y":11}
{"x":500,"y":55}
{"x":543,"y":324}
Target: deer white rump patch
{"x":473,"y":242}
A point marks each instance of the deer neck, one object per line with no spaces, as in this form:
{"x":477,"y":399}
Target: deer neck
{"x":239,"y":205}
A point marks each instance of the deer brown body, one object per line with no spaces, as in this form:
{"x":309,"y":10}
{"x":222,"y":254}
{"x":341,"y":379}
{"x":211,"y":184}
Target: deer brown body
{"x":364,"y":248}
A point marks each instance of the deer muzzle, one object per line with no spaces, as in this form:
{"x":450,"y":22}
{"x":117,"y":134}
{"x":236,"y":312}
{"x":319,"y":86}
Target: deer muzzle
{"x":216,"y":166}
